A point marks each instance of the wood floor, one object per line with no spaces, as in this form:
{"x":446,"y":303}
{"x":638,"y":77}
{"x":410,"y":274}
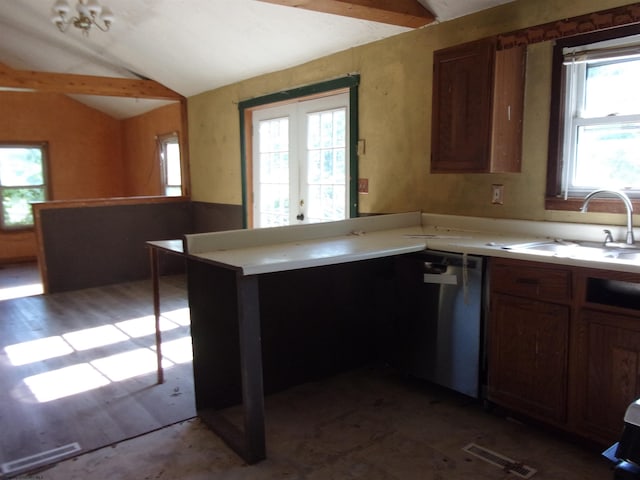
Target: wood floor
{"x":80,"y":367}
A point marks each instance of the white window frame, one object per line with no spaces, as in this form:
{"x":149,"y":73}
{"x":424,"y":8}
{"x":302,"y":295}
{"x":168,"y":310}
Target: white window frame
{"x":576,"y":60}
{"x":163,"y":141}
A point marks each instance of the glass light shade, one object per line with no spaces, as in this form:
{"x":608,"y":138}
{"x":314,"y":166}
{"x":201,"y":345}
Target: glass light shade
{"x":94,"y":7}
{"x":82,"y":9}
{"x":107,"y":15}
{"x":61,"y":7}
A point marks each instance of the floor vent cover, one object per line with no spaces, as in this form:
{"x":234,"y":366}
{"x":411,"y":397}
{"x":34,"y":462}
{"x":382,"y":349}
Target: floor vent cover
{"x":506,"y":463}
{"x":40,"y":458}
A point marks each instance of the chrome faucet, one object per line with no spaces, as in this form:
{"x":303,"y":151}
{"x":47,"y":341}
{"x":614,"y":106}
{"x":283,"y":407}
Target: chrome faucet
{"x":627,"y":203}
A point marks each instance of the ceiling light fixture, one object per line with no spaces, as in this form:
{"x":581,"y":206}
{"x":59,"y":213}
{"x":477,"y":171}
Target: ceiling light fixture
{"x":90,"y":13}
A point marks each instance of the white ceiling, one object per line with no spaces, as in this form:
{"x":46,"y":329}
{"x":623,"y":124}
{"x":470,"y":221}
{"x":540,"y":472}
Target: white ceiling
{"x":190,"y":46}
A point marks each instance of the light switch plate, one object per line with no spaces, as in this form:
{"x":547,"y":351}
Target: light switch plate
{"x":361,"y":147}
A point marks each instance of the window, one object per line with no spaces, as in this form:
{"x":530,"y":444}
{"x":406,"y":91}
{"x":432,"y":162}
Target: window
{"x":602,"y":120}
{"x":301,"y":162}
{"x":169,"y":150}
{"x":22,"y":181}
{"x":597,"y":118}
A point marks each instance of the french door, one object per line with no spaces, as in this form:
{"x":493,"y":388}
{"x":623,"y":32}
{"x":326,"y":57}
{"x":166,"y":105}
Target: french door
{"x":301,"y":162}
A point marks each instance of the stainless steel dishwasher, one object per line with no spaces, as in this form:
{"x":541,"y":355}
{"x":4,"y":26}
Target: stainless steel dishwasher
{"x":438,"y":324}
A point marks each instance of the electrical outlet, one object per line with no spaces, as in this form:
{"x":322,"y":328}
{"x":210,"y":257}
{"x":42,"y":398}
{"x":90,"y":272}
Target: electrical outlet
{"x":497,"y":194}
{"x":363,"y":185}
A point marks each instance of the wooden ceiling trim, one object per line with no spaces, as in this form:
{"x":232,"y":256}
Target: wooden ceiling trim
{"x":84,"y":84}
{"x":404,"y":13}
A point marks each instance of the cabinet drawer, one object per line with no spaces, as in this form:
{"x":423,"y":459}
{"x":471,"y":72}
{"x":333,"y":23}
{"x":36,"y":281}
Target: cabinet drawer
{"x":529,"y":280}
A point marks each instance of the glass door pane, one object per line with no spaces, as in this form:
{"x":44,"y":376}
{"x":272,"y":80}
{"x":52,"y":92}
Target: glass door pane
{"x":272,"y":197}
{"x":325,"y":183}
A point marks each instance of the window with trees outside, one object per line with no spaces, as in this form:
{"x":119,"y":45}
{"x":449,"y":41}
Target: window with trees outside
{"x":22,"y":181}
{"x":599,"y":119}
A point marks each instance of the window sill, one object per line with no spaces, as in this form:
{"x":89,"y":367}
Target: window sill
{"x":8,"y":231}
{"x":600,"y":205}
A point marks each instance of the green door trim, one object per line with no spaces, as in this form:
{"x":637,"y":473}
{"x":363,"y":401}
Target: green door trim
{"x":351,"y":82}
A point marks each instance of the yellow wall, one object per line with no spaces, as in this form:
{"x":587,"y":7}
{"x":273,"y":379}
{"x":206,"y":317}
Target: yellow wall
{"x":395,"y":120}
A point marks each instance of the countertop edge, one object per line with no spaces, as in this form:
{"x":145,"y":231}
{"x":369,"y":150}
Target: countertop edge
{"x":305,"y":246}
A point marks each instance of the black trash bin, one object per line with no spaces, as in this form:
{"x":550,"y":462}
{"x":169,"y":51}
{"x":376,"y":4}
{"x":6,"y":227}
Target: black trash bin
{"x":626,"y":452}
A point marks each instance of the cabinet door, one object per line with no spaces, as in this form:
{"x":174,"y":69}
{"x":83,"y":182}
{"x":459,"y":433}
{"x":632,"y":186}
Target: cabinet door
{"x":527,"y":357}
{"x":608,"y":371}
{"x":462,"y":100}
{"x":508,"y":109}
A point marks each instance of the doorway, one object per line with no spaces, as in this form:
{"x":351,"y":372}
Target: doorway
{"x":300,"y":162}
{"x":299,"y":155}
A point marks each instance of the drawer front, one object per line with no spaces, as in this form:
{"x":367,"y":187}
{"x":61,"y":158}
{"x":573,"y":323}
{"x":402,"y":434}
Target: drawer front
{"x":530,"y":280}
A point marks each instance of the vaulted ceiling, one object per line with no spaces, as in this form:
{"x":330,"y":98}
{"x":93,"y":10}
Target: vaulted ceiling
{"x":191,"y":46}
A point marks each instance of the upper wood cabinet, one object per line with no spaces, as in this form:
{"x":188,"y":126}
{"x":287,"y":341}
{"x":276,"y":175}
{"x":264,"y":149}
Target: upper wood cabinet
{"x":478,"y":103}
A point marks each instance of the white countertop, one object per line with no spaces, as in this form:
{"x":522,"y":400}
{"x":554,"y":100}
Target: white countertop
{"x":171,"y":246}
{"x":314,"y":253}
{"x":278,"y":249}
{"x":302,"y":246}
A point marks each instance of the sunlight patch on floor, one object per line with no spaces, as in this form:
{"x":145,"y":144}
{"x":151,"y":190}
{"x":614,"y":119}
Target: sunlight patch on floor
{"x":180,"y":316}
{"x":123,"y":366}
{"x":65,"y":381}
{"x":98,"y":372}
{"x":143,"y":326}
{"x":37,"y":350}
{"x":8,"y":293}
{"x":178,"y":351}
{"x":80,"y":340}
{"x":95,"y":337}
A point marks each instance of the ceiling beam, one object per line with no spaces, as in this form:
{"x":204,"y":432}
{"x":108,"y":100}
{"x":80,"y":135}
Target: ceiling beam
{"x":84,"y":84}
{"x":405,"y":13}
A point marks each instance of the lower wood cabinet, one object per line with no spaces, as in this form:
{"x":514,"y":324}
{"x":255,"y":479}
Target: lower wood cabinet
{"x":528,"y":338}
{"x":528,"y":356}
{"x":609,"y":356}
{"x":563,"y":345}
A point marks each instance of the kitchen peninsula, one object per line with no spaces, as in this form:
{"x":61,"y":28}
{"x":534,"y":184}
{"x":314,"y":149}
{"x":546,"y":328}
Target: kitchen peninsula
{"x":274,"y":307}
{"x":271,"y":308}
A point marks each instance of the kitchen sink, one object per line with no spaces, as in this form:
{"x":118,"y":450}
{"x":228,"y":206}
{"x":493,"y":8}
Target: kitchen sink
{"x":579,"y":249}
{"x":550,"y":246}
{"x":629,"y":256}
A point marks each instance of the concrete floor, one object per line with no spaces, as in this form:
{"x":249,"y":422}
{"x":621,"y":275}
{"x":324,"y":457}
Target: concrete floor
{"x":367,"y":424}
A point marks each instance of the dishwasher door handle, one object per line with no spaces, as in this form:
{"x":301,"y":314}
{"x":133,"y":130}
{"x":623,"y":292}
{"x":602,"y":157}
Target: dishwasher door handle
{"x":441,"y":278}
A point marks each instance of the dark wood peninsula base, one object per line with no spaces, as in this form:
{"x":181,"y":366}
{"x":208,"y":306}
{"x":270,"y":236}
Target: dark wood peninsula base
{"x":259,"y":334}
